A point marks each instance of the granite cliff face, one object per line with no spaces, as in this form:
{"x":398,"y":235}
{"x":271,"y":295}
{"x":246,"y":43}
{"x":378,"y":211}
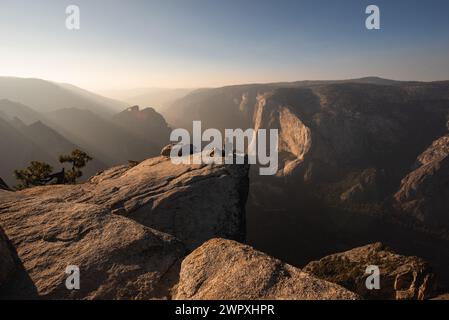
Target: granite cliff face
{"x":328,"y":125}
{"x":424,"y":193}
{"x":344,"y":148}
{"x":348,"y":142}
{"x":401,"y":277}
{"x":295,"y":138}
{"x":224,"y":269}
{"x":127,"y":228}
{"x":330,"y":130}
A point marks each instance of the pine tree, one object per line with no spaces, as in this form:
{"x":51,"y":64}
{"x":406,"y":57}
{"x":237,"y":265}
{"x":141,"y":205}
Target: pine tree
{"x":78,"y":159}
{"x":36,"y":174}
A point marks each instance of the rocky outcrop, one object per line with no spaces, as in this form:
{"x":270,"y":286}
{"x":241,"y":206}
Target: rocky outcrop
{"x":117,"y":257}
{"x":424,"y":193}
{"x":3,"y":185}
{"x":145,"y":123}
{"x":401,"y":277}
{"x":182,"y":150}
{"x":127,"y":229}
{"x":364,"y":187}
{"x":224,"y":269}
{"x":191,"y":202}
{"x":166,"y":150}
{"x":436,"y":152}
{"x":442,"y":297}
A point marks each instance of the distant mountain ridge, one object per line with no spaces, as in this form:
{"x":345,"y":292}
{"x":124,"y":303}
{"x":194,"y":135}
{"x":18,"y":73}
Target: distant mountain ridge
{"x":46,"y":96}
{"x":17,"y":150}
{"x":35,"y":142}
{"x":37,"y":125}
{"x":10,"y":110}
{"x":102,"y":137}
{"x":231,"y":106}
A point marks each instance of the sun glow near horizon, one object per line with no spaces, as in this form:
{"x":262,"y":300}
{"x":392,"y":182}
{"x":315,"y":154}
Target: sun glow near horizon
{"x":217,"y":43}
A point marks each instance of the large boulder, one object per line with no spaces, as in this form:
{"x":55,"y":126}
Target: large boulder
{"x":117,"y":257}
{"x":127,"y":229}
{"x":225,"y":269}
{"x":401,"y":277}
{"x":192,"y":202}
{"x":183,"y":150}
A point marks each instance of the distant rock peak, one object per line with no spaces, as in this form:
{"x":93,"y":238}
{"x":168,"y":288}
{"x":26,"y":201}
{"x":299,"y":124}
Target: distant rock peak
{"x":133,"y":109}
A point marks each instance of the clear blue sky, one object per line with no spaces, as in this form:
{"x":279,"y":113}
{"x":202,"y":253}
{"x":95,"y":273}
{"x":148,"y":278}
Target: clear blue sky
{"x":191,"y":43}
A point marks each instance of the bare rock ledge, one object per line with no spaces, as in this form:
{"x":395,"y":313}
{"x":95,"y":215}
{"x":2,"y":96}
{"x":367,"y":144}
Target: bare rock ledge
{"x":401,"y":277}
{"x":225,"y":269}
{"x":127,"y":228}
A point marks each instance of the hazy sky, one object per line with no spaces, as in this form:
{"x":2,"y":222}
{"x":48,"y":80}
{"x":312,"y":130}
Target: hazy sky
{"x":193,"y":43}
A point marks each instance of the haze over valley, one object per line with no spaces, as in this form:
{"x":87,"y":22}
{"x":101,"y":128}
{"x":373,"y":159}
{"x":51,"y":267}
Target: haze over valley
{"x":37,"y":129}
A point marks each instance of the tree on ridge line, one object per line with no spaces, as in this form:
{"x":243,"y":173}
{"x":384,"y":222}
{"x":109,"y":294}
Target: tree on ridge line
{"x":40,"y":173}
